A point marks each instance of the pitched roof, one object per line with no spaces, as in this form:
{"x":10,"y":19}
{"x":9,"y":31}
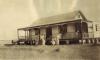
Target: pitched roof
{"x":71,"y":16}
{"x":59,"y":18}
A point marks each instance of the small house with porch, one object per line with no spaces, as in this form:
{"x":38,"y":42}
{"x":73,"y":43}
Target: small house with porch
{"x":72,"y":27}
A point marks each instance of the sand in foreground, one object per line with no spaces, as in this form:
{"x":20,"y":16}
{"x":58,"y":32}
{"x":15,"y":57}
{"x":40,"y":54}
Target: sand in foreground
{"x":63,"y":52}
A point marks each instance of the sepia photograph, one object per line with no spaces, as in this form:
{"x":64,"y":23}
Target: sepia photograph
{"x":49,"y":30}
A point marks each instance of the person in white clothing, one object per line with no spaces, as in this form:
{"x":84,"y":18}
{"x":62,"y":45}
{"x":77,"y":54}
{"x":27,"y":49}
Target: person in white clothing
{"x":42,"y":37}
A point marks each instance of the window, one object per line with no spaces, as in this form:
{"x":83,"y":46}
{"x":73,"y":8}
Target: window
{"x":97,"y":27}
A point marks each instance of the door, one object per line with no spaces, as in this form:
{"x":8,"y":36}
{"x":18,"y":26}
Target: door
{"x":48,"y":35}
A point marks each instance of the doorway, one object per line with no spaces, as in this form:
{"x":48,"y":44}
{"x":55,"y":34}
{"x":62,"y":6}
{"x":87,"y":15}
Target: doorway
{"x":48,"y":35}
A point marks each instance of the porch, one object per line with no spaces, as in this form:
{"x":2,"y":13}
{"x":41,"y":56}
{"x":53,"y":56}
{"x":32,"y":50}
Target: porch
{"x":73,"y":30}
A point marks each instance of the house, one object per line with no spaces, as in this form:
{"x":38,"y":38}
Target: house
{"x":67,"y":28}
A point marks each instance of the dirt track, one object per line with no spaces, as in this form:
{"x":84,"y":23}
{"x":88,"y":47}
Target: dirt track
{"x":64,"y":52}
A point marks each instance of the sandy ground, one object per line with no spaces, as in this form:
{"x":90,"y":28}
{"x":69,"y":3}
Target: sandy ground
{"x":62,"y":52}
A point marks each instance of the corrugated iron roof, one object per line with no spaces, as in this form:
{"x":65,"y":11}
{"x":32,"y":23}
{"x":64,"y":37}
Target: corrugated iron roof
{"x":66,"y":17}
{"x":58,"y":18}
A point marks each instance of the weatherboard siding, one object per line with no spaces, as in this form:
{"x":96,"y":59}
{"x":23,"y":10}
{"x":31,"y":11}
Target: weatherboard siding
{"x":55,"y":30}
{"x":96,"y":31}
{"x":70,"y":32}
{"x":42,"y":31}
{"x":32,"y":34}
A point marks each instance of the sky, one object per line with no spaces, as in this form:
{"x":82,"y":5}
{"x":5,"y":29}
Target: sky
{"x":15,"y":14}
